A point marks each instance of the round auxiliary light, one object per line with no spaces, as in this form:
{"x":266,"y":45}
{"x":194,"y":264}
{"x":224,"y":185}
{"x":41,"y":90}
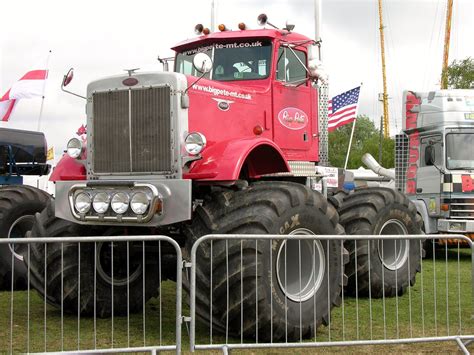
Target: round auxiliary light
{"x":74,"y":148}
{"x":120,"y":202}
{"x":139,"y":203}
{"x":82,"y":202}
{"x":206,"y":31}
{"x":242,"y":26}
{"x":222,"y":27}
{"x":194,"y":143}
{"x":101,"y":202}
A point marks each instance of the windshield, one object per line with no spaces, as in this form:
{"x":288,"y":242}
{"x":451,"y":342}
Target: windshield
{"x":460,"y":151}
{"x":231,"y":60}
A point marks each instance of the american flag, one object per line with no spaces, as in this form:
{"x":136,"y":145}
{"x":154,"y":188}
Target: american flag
{"x":343,"y":108}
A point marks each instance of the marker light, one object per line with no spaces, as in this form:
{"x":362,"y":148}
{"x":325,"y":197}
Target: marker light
{"x":257,"y":130}
{"x":222,"y":27}
{"x":198,"y":29}
{"x":206,"y":31}
{"x":242,"y":26}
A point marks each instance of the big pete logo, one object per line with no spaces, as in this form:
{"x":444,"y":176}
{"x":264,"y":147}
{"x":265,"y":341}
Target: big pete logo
{"x":413,"y":142}
{"x":223,"y":105}
{"x":293,"y":118}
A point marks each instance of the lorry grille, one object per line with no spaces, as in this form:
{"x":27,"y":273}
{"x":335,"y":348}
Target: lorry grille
{"x":401,"y":161}
{"x":461,"y":208}
{"x":132,"y":131}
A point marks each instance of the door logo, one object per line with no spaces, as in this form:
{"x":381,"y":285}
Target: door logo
{"x":293,"y":118}
{"x":223,"y":105}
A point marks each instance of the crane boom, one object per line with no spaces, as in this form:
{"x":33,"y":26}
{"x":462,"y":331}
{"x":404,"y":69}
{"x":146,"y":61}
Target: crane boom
{"x":386,"y":127}
{"x":447,"y":36}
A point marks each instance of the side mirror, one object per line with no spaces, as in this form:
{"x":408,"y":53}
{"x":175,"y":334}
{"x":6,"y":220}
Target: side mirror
{"x":202,"y":63}
{"x":68,"y":77}
{"x":430,"y":156}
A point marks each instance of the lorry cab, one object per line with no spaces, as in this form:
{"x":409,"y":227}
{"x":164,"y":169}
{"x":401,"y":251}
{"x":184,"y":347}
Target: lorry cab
{"x":259,"y":86}
{"x":435,"y":162}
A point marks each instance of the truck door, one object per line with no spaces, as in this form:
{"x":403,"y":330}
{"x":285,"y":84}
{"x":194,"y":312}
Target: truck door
{"x":293,"y":119}
{"x":428,"y":175}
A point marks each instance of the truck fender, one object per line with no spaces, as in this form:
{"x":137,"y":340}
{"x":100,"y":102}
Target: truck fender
{"x":429,"y":223}
{"x":68,"y":169}
{"x":224,"y":161}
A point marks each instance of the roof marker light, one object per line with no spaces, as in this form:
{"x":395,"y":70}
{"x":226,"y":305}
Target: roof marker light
{"x":206,"y":31}
{"x":222,"y":27}
{"x":242,"y":26}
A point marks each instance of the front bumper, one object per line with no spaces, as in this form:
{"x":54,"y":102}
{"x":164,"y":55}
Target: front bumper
{"x":456,"y":225}
{"x":174,"y":197}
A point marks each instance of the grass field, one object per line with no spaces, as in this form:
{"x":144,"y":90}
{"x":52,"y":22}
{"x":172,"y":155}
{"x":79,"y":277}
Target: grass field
{"x":356,"y":319}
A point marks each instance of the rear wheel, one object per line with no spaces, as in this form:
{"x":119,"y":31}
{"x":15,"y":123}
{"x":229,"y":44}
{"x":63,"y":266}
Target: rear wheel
{"x":260,"y":288}
{"x":381,"y":267}
{"x":18,"y":204}
{"x":101,"y":274}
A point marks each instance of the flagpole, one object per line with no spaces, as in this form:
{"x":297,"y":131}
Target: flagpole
{"x":42,"y":98}
{"x":352,"y":132}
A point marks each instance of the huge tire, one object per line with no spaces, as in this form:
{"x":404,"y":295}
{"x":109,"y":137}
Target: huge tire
{"x":392,"y":264}
{"x":18,"y":204}
{"x":267,"y":208}
{"x":62,"y":266}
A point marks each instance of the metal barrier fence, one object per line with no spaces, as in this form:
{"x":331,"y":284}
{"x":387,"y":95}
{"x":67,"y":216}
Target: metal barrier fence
{"x":279,"y":291}
{"x":92,"y":296}
{"x":245,"y":292}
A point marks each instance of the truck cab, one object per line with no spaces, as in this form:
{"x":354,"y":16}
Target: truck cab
{"x":434,"y":158}
{"x":154,"y":138}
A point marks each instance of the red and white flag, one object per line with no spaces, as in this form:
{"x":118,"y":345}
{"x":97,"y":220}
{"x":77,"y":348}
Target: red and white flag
{"x":29,"y":86}
{"x":343,"y":108}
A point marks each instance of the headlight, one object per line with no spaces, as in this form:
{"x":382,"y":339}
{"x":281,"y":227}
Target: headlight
{"x":82,"y":202}
{"x":101,"y":202}
{"x":74,"y":148}
{"x":194,"y":143}
{"x":120,"y":202}
{"x":139,"y":203}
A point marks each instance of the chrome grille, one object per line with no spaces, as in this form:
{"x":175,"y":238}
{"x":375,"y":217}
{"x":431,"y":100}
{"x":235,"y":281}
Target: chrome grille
{"x":461,"y":208}
{"x":132,"y":131}
{"x":401,"y":161}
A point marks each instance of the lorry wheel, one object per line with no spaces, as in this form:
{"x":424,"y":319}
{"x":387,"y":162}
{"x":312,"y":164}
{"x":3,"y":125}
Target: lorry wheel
{"x":392,"y":264}
{"x":18,"y":204}
{"x":250,"y":277}
{"x":95,"y":269}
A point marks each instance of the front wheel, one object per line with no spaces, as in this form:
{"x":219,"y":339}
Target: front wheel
{"x":99,"y":277}
{"x":18,"y":204}
{"x":381,"y":267}
{"x":254,"y":288}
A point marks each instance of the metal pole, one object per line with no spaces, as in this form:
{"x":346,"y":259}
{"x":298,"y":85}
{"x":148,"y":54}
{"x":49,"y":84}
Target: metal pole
{"x":352,"y":132}
{"x":213,"y":16}
{"x":317,"y":21}
{"x":380,"y":140}
{"x":42,"y":97}
{"x":350,"y":144}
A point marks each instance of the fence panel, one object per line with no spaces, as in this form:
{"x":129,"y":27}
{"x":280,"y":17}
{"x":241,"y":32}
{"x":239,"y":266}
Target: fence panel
{"x":93,"y":295}
{"x":278,"y":291}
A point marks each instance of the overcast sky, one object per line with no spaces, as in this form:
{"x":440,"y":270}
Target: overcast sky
{"x":103,"y":37}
